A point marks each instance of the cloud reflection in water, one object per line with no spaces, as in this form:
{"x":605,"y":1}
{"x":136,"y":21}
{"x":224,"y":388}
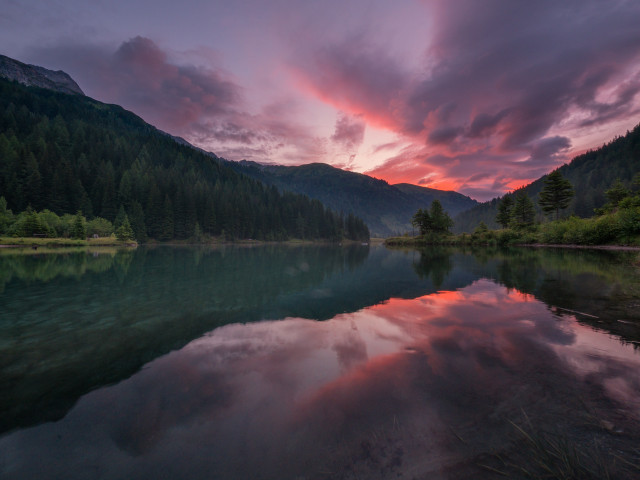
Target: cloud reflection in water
{"x":375,"y":393}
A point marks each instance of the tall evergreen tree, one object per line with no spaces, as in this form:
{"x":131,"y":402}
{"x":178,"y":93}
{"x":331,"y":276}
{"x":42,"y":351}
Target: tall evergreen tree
{"x":119,"y":220}
{"x":616,"y":193}
{"x":504,"y":211}
{"x":78,"y":227}
{"x":524,"y":211}
{"x":422,"y":221}
{"x":556,"y":194}
{"x":125,"y":232}
{"x":435,"y":220}
{"x":136,"y":218}
{"x":6,"y":215}
{"x":441,"y":222}
{"x":167,"y":225}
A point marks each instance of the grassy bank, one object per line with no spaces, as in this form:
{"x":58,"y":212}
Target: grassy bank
{"x":64,"y":242}
{"x":619,"y":228}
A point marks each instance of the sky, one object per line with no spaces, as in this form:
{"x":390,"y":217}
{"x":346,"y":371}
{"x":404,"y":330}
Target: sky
{"x":475,"y":96}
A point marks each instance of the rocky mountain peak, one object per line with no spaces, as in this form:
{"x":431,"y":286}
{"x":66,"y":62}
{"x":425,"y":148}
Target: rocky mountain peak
{"x":32,"y":75}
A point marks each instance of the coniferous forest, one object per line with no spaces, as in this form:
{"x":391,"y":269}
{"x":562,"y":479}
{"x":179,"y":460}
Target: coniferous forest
{"x":591,"y":174}
{"x":69,"y":153}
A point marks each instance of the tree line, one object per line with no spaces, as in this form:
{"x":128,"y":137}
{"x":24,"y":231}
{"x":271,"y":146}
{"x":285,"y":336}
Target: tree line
{"x":65,"y":154}
{"x":618,"y":220}
{"x":591,"y":174}
{"x":556,"y":195}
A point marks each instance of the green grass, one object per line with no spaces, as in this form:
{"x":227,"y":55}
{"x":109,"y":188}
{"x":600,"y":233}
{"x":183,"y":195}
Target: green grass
{"x":621,"y":227}
{"x":63,"y":242}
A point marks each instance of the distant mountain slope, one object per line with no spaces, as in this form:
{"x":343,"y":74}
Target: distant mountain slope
{"x":591,"y":175}
{"x":69,"y":152}
{"x":32,"y":75}
{"x":386,"y":209}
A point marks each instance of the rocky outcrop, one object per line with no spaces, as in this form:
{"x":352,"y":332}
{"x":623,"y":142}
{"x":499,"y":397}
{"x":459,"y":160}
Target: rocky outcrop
{"x":32,"y":75}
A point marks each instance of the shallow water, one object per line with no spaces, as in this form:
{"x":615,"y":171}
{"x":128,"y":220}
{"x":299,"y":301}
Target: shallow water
{"x":319,"y":362}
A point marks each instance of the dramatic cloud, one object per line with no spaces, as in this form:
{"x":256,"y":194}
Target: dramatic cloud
{"x":496,"y":80}
{"x":204,"y":105}
{"x":140,"y":76}
{"x":356,"y":77}
{"x":433,"y":92}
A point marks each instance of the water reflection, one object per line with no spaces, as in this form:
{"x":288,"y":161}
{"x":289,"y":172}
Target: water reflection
{"x":381,"y":392}
{"x":409,"y":376}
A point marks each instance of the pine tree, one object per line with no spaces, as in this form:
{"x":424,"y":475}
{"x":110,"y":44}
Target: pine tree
{"x":78,"y":227}
{"x":441,"y":222}
{"x":556,"y":195}
{"x":6,"y":215}
{"x":504,"y":211}
{"x":31,"y":224}
{"x":167,"y":225}
{"x":523,"y":211}
{"x":136,"y":215}
{"x":422,"y":221}
{"x":125,"y":232}
{"x":119,"y":220}
{"x":616,"y":193}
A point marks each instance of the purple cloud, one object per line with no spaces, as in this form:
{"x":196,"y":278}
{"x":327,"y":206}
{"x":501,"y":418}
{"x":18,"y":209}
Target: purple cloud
{"x":510,"y":81}
{"x":140,"y":76}
{"x":349,"y":131}
{"x":202,"y":104}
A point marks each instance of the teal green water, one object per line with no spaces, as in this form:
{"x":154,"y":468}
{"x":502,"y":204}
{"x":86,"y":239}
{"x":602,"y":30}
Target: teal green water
{"x":317,"y":362}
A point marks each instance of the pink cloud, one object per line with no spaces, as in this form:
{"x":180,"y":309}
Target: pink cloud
{"x":205,"y":105}
{"x":503,"y":87}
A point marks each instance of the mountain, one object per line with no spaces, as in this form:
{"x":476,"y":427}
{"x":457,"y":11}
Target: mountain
{"x":591,"y":175}
{"x":69,"y":152}
{"x":32,"y":75}
{"x":386,"y":209}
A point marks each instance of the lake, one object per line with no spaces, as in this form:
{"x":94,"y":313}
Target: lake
{"x":319,"y":362}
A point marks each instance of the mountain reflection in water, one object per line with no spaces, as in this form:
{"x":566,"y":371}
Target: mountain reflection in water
{"x":428,"y":385}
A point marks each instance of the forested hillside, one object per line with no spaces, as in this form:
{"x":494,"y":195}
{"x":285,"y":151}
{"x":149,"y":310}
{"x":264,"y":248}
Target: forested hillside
{"x":68,"y":153}
{"x":591,"y":175}
{"x":386,"y":209}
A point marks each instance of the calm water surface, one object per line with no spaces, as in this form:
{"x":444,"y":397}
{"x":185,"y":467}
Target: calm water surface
{"x":315,"y":362}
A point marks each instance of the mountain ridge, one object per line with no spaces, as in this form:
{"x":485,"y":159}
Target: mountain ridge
{"x":591,"y":174}
{"x":387,"y":209}
{"x":36,"y":76}
{"x":69,"y":153}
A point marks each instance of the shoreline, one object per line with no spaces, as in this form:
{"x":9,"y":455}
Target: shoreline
{"x":36,"y":243}
{"x":630,"y":248}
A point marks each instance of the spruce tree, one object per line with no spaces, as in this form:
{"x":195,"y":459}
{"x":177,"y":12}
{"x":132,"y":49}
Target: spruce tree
{"x":504,"y":211}
{"x":125,"y":232}
{"x":556,"y":195}
{"x":616,"y":193}
{"x":422,"y":221}
{"x":78,"y":227}
{"x":523,"y":211}
{"x":136,"y":216}
{"x":441,"y":222}
{"x":166,"y":227}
